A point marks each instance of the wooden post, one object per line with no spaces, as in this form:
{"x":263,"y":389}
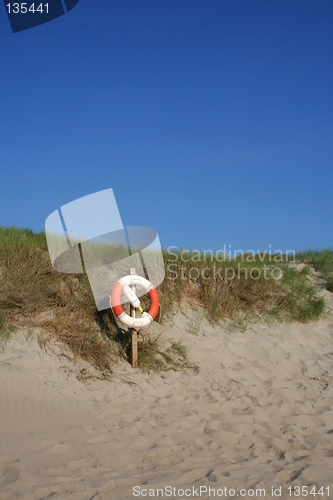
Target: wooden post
{"x":134,"y":333}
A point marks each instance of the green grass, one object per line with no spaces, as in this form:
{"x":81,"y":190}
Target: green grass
{"x":297,"y":300}
{"x":32,"y":294}
{"x":6,"y":330}
{"x":322,"y":261}
{"x":194,"y":325}
{"x":241,"y":289}
{"x":29,"y":286}
{"x":153,"y":357}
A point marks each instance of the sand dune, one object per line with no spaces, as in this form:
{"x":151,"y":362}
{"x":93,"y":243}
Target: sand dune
{"x":258,"y":414}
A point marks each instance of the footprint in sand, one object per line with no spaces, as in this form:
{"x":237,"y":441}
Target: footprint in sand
{"x":8,"y":474}
{"x":45,"y":445}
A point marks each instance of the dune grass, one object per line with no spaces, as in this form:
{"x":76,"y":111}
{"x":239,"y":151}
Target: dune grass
{"x":241,"y":288}
{"x":322,"y":261}
{"x":32,"y":294}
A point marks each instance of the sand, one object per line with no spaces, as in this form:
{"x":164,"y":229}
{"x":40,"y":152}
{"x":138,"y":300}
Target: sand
{"x":257,"y":415}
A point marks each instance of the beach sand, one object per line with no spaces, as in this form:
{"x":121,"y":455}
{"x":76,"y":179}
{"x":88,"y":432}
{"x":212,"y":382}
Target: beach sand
{"x":258,"y":414}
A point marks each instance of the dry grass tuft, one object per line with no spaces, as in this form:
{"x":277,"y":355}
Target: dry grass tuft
{"x":238,"y":289}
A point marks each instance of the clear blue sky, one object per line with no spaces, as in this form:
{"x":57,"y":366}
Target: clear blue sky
{"x":211,"y":120}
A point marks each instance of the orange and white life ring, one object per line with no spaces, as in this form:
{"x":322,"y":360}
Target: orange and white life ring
{"x":122,"y":286}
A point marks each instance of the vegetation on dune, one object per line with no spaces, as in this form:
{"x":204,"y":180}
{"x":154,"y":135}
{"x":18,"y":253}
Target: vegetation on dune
{"x":322,"y":261}
{"x":33,"y":294}
{"x":245,"y":287}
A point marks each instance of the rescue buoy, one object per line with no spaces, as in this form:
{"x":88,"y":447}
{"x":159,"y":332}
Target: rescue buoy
{"x":123,"y":286}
